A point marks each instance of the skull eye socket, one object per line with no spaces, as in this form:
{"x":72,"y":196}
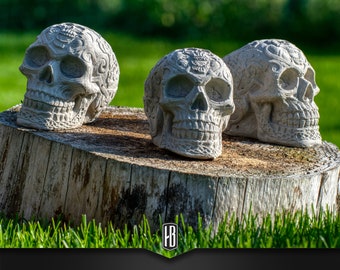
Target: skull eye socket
{"x":72,"y":67}
{"x":178,"y":87}
{"x":217,"y":90}
{"x":310,"y":76}
{"x":289,"y":79}
{"x":37,"y":56}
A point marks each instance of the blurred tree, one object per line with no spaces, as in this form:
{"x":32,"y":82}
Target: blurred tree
{"x":305,"y":20}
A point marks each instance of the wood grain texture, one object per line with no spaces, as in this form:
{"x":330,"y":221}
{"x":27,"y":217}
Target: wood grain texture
{"x":111,"y":171}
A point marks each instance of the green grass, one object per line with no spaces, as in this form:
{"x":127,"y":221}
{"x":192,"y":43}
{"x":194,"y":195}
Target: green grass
{"x":137,"y":56}
{"x":299,"y":230}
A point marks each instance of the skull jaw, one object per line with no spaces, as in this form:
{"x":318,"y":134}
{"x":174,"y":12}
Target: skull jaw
{"x":42,"y":116}
{"x":194,"y":136}
{"x":270,"y":132}
{"x":45,"y":120}
{"x":257,"y":125}
{"x":204,"y":150}
{"x":294,"y":138}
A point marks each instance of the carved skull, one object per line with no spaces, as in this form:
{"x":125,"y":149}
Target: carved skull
{"x":274,"y":90}
{"x":188,"y":102}
{"x":72,"y":74}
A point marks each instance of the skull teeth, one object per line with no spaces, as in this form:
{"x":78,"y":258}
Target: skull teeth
{"x":45,"y":107}
{"x":194,"y":135}
{"x":196,"y":125}
{"x":57,"y":113}
{"x":195,"y":130}
{"x":33,"y":96}
{"x":36,"y":105}
{"x":298,"y":119}
{"x":297,"y":127}
{"x":200,"y":117}
{"x":40,"y":110}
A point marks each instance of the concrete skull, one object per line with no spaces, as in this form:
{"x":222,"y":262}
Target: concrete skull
{"x":188,"y":99}
{"x":274,"y":90}
{"x":72,"y":74}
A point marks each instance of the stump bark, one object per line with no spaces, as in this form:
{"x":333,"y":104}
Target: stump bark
{"x":111,"y":171}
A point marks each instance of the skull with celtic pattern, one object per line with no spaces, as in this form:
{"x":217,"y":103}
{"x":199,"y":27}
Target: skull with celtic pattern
{"x":188,"y":99}
{"x":274,"y":90}
{"x":72,"y":74}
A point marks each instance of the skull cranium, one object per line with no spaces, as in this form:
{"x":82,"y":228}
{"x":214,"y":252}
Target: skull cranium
{"x":188,"y":102}
{"x":274,"y":90}
{"x":72,"y":74}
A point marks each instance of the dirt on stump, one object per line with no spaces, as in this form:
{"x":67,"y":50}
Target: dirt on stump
{"x":124,"y":132}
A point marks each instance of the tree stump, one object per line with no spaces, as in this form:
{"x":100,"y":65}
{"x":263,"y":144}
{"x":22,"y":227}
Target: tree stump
{"x":111,"y":171}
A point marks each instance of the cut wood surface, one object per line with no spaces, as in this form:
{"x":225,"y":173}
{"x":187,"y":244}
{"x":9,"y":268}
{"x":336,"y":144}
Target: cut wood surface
{"x":111,"y":171}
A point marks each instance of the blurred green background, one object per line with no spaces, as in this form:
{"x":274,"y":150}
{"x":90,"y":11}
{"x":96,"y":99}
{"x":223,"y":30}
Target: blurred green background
{"x":142,"y":31}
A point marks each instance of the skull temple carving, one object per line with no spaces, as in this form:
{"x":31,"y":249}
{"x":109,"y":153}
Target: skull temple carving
{"x":188,"y":99}
{"x":72,"y":74}
{"x":274,"y":90}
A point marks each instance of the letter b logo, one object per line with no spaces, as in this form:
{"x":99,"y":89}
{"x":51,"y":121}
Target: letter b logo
{"x":170,"y":236}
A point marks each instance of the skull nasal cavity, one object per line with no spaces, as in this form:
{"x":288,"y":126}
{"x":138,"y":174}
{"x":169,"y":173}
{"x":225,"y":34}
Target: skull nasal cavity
{"x":309,"y":93}
{"x":200,"y":103}
{"x":46,"y":75}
